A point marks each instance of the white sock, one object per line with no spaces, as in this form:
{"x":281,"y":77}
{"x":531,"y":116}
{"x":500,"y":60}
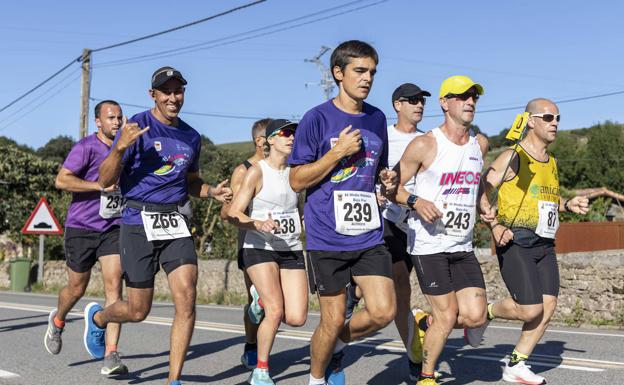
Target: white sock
{"x":340,"y":344}
{"x":316,"y":381}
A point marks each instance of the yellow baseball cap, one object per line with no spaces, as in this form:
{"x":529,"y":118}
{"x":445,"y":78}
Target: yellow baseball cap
{"x":459,"y":84}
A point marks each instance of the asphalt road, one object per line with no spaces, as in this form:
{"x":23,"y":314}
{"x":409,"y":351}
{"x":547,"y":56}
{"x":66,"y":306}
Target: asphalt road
{"x":565,"y":356}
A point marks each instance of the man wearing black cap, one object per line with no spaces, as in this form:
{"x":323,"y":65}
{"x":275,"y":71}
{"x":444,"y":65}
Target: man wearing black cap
{"x":155,"y":158}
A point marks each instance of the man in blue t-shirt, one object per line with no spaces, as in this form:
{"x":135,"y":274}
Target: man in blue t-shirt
{"x":340,"y":149}
{"x":155,"y":158}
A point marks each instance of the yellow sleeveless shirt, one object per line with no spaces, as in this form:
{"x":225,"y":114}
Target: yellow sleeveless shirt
{"x":518,"y":198}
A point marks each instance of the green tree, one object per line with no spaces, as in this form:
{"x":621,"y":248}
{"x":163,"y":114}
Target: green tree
{"x":605,"y":163}
{"x":56,"y":149}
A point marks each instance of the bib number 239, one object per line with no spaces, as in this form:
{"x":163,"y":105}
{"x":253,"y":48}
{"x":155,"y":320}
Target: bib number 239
{"x":356,"y":212}
{"x":164,"y":226}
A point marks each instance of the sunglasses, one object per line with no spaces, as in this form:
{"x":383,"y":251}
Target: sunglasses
{"x":169,"y":91}
{"x":414,"y":100}
{"x":282,"y":133}
{"x":548,"y":117}
{"x":465,"y":96}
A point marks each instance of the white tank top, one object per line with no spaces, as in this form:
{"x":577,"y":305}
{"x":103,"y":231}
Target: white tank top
{"x":278,"y":199}
{"x":397,"y":143}
{"x":452,"y":183}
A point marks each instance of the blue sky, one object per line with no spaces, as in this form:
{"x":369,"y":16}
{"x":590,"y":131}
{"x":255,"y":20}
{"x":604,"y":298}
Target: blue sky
{"x":516,"y":50}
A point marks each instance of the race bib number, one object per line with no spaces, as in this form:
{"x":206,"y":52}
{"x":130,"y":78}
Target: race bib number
{"x":164,"y":226}
{"x":111,"y":204}
{"x":457,"y":219}
{"x":289,"y":224}
{"x":356,"y":212}
{"x":548,"y":222}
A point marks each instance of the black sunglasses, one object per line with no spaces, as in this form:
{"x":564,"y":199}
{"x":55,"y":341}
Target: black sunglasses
{"x":465,"y":96}
{"x":414,"y":100}
{"x":548,"y":117}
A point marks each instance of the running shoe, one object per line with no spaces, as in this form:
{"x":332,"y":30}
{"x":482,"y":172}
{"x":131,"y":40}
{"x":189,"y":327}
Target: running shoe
{"x":521,"y":373}
{"x":175,"y":382}
{"x":249,"y":359}
{"x":260,"y":377}
{"x":255,"y":310}
{"x":352,"y":301}
{"x":52,"y":340}
{"x":416,"y":335}
{"x":474,"y":336}
{"x":93,"y":335}
{"x":334,"y":374}
{"x":427,"y":381}
{"x":113,"y":365}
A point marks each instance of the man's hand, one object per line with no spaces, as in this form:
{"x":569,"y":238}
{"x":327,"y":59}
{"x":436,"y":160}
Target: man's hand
{"x":222,"y":193}
{"x":502,"y":235}
{"x":427,"y":210}
{"x":130,"y":132}
{"x":267,"y":226}
{"x":488,"y":213}
{"x":578,"y":205}
{"x":111,"y":188}
{"x":349,"y":142}
{"x":389,"y":181}
{"x":382,"y":201}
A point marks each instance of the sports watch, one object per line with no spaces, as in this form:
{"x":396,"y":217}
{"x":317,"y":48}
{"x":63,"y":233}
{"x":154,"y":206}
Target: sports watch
{"x":411,"y":201}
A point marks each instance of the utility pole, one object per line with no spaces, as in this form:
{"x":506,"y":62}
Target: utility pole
{"x":85,"y":93}
{"x":327,"y":81}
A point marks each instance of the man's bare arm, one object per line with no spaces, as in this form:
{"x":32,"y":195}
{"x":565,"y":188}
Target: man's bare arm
{"x":68,"y":181}
{"x":110,"y":169}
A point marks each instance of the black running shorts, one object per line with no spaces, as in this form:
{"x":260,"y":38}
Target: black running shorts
{"x":443,"y":273}
{"x":141,"y":259}
{"x":284,"y":259}
{"x":529,"y":272}
{"x":330,"y":271}
{"x":396,"y":242}
{"x":83,"y":247}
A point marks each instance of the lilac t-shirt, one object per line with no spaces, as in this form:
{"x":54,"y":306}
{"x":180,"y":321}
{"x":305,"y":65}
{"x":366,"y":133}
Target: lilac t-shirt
{"x":156,"y":165}
{"x":317,"y":131}
{"x":84,"y":161}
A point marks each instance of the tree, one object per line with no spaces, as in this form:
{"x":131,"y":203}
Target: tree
{"x":605,"y":164}
{"x":56,"y":149}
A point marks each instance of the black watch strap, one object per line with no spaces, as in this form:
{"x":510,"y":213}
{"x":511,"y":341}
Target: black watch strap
{"x":411,"y":201}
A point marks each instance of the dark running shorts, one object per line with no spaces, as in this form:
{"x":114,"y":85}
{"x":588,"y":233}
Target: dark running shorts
{"x":84,"y":247}
{"x":529,"y":272}
{"x":141,"y":259}
{"x":330,"y":271}
{"x":396,"y":242}
{"x":443,"y":273}
{"x":284,"y":259}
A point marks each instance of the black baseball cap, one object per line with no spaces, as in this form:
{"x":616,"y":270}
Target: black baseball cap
{"x":408,"y":90}
{"x":161,"y":75}
{"x":279,"y":124}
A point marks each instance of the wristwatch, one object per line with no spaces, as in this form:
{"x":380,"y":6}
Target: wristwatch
{"x":411,"y":201}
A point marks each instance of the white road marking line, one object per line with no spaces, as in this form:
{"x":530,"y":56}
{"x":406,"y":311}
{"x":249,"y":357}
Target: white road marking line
{"x":5,"y":374}
{"x":538,"y":363}
{"x":562,"y":331}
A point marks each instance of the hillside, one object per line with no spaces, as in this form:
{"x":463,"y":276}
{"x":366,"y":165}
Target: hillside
{"x":238,"y":147}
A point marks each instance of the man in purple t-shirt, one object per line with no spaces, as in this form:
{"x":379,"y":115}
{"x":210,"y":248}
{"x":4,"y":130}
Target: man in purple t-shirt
{"x":155,"y":157}
{"x":91,"y":231}
{"x":340,"y":147}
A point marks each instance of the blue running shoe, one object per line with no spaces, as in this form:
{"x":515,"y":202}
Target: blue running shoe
{"x":255,"y":311}
{"x":334,"y":374}
{"x":175,"y":382}
{"x":260,"y":377}
{"x":352,"y":301}
{"x":93,"y":335}
{"x":249,"y":359}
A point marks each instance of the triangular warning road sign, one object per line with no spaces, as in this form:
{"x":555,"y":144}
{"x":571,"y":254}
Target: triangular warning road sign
{"x":42,"y":220}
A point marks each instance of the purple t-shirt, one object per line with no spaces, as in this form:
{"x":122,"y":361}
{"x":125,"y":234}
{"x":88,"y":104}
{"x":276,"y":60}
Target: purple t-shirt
{"x":156,"y":165}
{"x":84,"y":161}
{"x":317,"y":131}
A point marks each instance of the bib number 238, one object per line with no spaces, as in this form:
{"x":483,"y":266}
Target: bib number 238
{"x":164,"y":226}
{"x":356,"y":212}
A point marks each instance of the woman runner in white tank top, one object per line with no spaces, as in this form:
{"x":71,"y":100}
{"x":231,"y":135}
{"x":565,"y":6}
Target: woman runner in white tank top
{"x":272,"y":250}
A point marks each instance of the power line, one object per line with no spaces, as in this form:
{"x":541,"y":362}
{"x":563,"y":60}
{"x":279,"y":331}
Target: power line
{"x":227,"y":39}
{"x":178,"y":27}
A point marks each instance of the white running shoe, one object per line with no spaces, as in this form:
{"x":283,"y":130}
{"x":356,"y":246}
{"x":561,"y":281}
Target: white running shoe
{"x":474,"y":336}
{"x":521,"y":373}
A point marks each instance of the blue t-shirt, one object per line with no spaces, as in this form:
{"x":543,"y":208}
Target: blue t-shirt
{"x":156,"y":165}
{"x":317,"y":132}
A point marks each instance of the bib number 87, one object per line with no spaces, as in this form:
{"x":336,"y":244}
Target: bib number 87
{"x":356,"y":212}
{"x":457,"y":220}
{"x":164,"y":220}
{"x":286,"y":226}
{"x":552,"y":219}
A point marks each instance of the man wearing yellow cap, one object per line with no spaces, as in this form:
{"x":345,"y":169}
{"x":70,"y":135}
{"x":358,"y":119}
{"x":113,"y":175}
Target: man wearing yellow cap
{"x":524,"y":229}
{"x":446,"y":164}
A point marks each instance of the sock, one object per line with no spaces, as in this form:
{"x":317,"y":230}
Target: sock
{"x":249,"y":346}
{"x":316,"y":381}
{"x":516,"y":357}
{"x":110,"y":349}
{"x":58,"y":323}
{"x":260,"y":303}
{"x":490,"y":316}
{"x":340,"y":344}
{"x":422,"y":324}
{"x":263,"y":365}
{"x":424,"y":375}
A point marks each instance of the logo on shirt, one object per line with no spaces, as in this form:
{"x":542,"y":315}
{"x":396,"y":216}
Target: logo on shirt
{"x":349,"y":166}
{"x":171,"y":163}
{"x":157,"y":146}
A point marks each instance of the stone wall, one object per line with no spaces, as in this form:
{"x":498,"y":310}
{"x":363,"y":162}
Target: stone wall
{"x":592,"y":284}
